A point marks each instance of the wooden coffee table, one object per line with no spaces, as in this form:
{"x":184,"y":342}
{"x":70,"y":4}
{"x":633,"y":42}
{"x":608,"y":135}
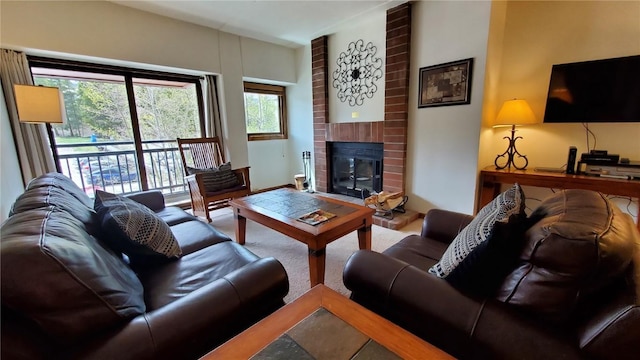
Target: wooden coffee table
{"x":324,"y":324}
{"x":280,"y":209}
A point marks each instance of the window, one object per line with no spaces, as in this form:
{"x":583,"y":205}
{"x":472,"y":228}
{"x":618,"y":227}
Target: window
{"x":265,"y":111}
{"x":122,"y":124}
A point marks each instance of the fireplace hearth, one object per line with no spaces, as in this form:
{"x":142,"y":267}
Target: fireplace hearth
{"x":356,"y":168}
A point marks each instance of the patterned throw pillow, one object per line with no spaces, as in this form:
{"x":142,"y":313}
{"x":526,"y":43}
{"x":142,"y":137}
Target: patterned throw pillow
{"x":216,"y":179}
{"x":510,"y":202}
{"x":134,"y":229}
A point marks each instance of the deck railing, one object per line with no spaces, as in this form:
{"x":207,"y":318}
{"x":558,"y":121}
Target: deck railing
{"x":112,"y":166}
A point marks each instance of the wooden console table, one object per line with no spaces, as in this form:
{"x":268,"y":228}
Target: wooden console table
{"x":491,"y":181}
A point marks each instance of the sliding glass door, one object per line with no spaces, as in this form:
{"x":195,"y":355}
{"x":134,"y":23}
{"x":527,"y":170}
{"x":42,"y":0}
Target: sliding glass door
{"x":122,"y":124}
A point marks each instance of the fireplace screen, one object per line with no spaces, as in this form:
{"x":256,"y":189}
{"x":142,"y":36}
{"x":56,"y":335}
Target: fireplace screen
{"x":356,"y":168}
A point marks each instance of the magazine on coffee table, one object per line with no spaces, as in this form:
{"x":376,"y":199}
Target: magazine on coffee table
{"x":316,"y":217}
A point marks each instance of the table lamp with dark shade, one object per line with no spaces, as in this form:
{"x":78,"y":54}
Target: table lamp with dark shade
{"x":513,"y":112}
{"x":41,"y":104}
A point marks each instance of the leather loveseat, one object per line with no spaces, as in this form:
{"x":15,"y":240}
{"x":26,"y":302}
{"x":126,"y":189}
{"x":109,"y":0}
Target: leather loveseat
{"x":66,"y":294}
{"x":572,"y":293}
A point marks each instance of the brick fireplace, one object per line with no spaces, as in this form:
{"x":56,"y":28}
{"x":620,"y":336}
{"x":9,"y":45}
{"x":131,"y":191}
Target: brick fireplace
{"x":392,"y":130}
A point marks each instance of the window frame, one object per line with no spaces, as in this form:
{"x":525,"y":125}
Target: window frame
{"x":129,"y":74}
{"x":266,"y":89}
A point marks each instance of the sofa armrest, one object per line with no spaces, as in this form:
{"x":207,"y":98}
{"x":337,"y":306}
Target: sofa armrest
{"x":462,"y":325}
{"x":153,"y":199}
{"x":444,"y":225}
{"x":197,"y":323}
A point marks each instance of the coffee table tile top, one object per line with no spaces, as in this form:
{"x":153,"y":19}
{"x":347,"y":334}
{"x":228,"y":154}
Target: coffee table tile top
{"x":323,"y":335}
{"x":386,"y":337}
{"x":374,"y":351}
{"x":294,"y":204}
{"x":283,"y":347}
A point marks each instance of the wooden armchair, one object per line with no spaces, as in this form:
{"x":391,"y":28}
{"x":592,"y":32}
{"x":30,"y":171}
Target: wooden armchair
{"x":206,"y":153}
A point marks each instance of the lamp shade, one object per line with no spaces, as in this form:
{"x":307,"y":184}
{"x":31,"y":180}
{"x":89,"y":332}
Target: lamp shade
{"x":39,"y":104}
{"x":515,"y":112}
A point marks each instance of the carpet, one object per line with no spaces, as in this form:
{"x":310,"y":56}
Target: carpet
{"x":265,"y":242}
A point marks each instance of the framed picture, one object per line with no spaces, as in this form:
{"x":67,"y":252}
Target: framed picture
{"x":445,"y":84}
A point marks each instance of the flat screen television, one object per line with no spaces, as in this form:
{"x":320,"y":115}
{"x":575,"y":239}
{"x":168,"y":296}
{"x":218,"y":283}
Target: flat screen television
{"x":595,"y":91}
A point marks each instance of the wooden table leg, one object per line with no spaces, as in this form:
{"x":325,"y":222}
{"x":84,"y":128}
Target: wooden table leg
{"x":364,"y":236}
{"x":317,"y":259}
{"x":241,"y":226}
{"x":488,"y":192}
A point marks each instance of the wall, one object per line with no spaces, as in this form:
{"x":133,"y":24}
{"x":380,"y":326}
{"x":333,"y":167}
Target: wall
{"x":106,"y":30}
{"x":442,"y":150}
{"x":300,"y":110}
{"x":367,"y":30}
{"x":572,"y":31}
{"x":269,"y":159}
{"x":113,"y":34}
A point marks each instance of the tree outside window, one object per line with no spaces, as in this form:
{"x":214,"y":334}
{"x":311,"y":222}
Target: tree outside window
{"x":265,"y":111}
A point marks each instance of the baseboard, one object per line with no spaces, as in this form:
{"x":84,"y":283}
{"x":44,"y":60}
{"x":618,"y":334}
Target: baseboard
{"x":273,"y":188}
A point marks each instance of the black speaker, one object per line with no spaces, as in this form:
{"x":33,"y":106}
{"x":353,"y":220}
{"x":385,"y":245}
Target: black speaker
{"x":571,"y":160}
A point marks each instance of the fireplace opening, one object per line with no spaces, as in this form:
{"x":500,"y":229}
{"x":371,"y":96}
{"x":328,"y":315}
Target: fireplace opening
{"x":356,"y":168}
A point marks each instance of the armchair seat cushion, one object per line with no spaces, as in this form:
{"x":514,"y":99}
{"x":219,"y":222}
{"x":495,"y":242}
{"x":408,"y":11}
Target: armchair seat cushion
{"x":216,"y":178}
{"x":226,"y":191}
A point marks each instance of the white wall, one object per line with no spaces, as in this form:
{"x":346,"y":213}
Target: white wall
{"x":442,"y":148}
{"x":106,"y":30}
{"x":266,"y":62}
{"x":373,"y":30}
{"x":10,"y":180}
{"x":300,"y":109}
{"x":109,"y":33}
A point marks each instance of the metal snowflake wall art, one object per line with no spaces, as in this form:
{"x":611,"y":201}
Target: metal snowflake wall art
{"x":357,"y":72}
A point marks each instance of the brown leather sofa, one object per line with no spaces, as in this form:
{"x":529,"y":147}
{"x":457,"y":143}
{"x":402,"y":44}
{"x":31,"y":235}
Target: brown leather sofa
{"x":65,"y":294}
{"x":573,"y":292}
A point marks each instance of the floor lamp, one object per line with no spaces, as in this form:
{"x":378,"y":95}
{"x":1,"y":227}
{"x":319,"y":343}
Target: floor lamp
{"x":38,"y":105}
{"x":513,"y":112}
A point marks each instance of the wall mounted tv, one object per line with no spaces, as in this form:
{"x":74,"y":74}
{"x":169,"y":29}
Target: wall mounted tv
{"x":595,"y":91}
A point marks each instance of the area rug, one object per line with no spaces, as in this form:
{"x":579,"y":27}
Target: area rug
{"x":265,"y":242}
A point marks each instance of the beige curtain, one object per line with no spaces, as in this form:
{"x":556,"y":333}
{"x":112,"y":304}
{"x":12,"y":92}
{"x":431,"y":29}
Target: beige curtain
{"x":31,"y":141}
{"x":212,"y":109}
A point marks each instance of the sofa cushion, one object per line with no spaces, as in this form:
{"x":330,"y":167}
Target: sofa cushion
{"x":420,"y":252}
{"x":194,"y":235}
{"x":134,"y":229}
{"x":510,"y":202}
{"x":62,"y":278}
{"x":174,"y":280}
{"x":173,"y":215}
{"x":216,"y":179}
{"x":583,"y":242}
